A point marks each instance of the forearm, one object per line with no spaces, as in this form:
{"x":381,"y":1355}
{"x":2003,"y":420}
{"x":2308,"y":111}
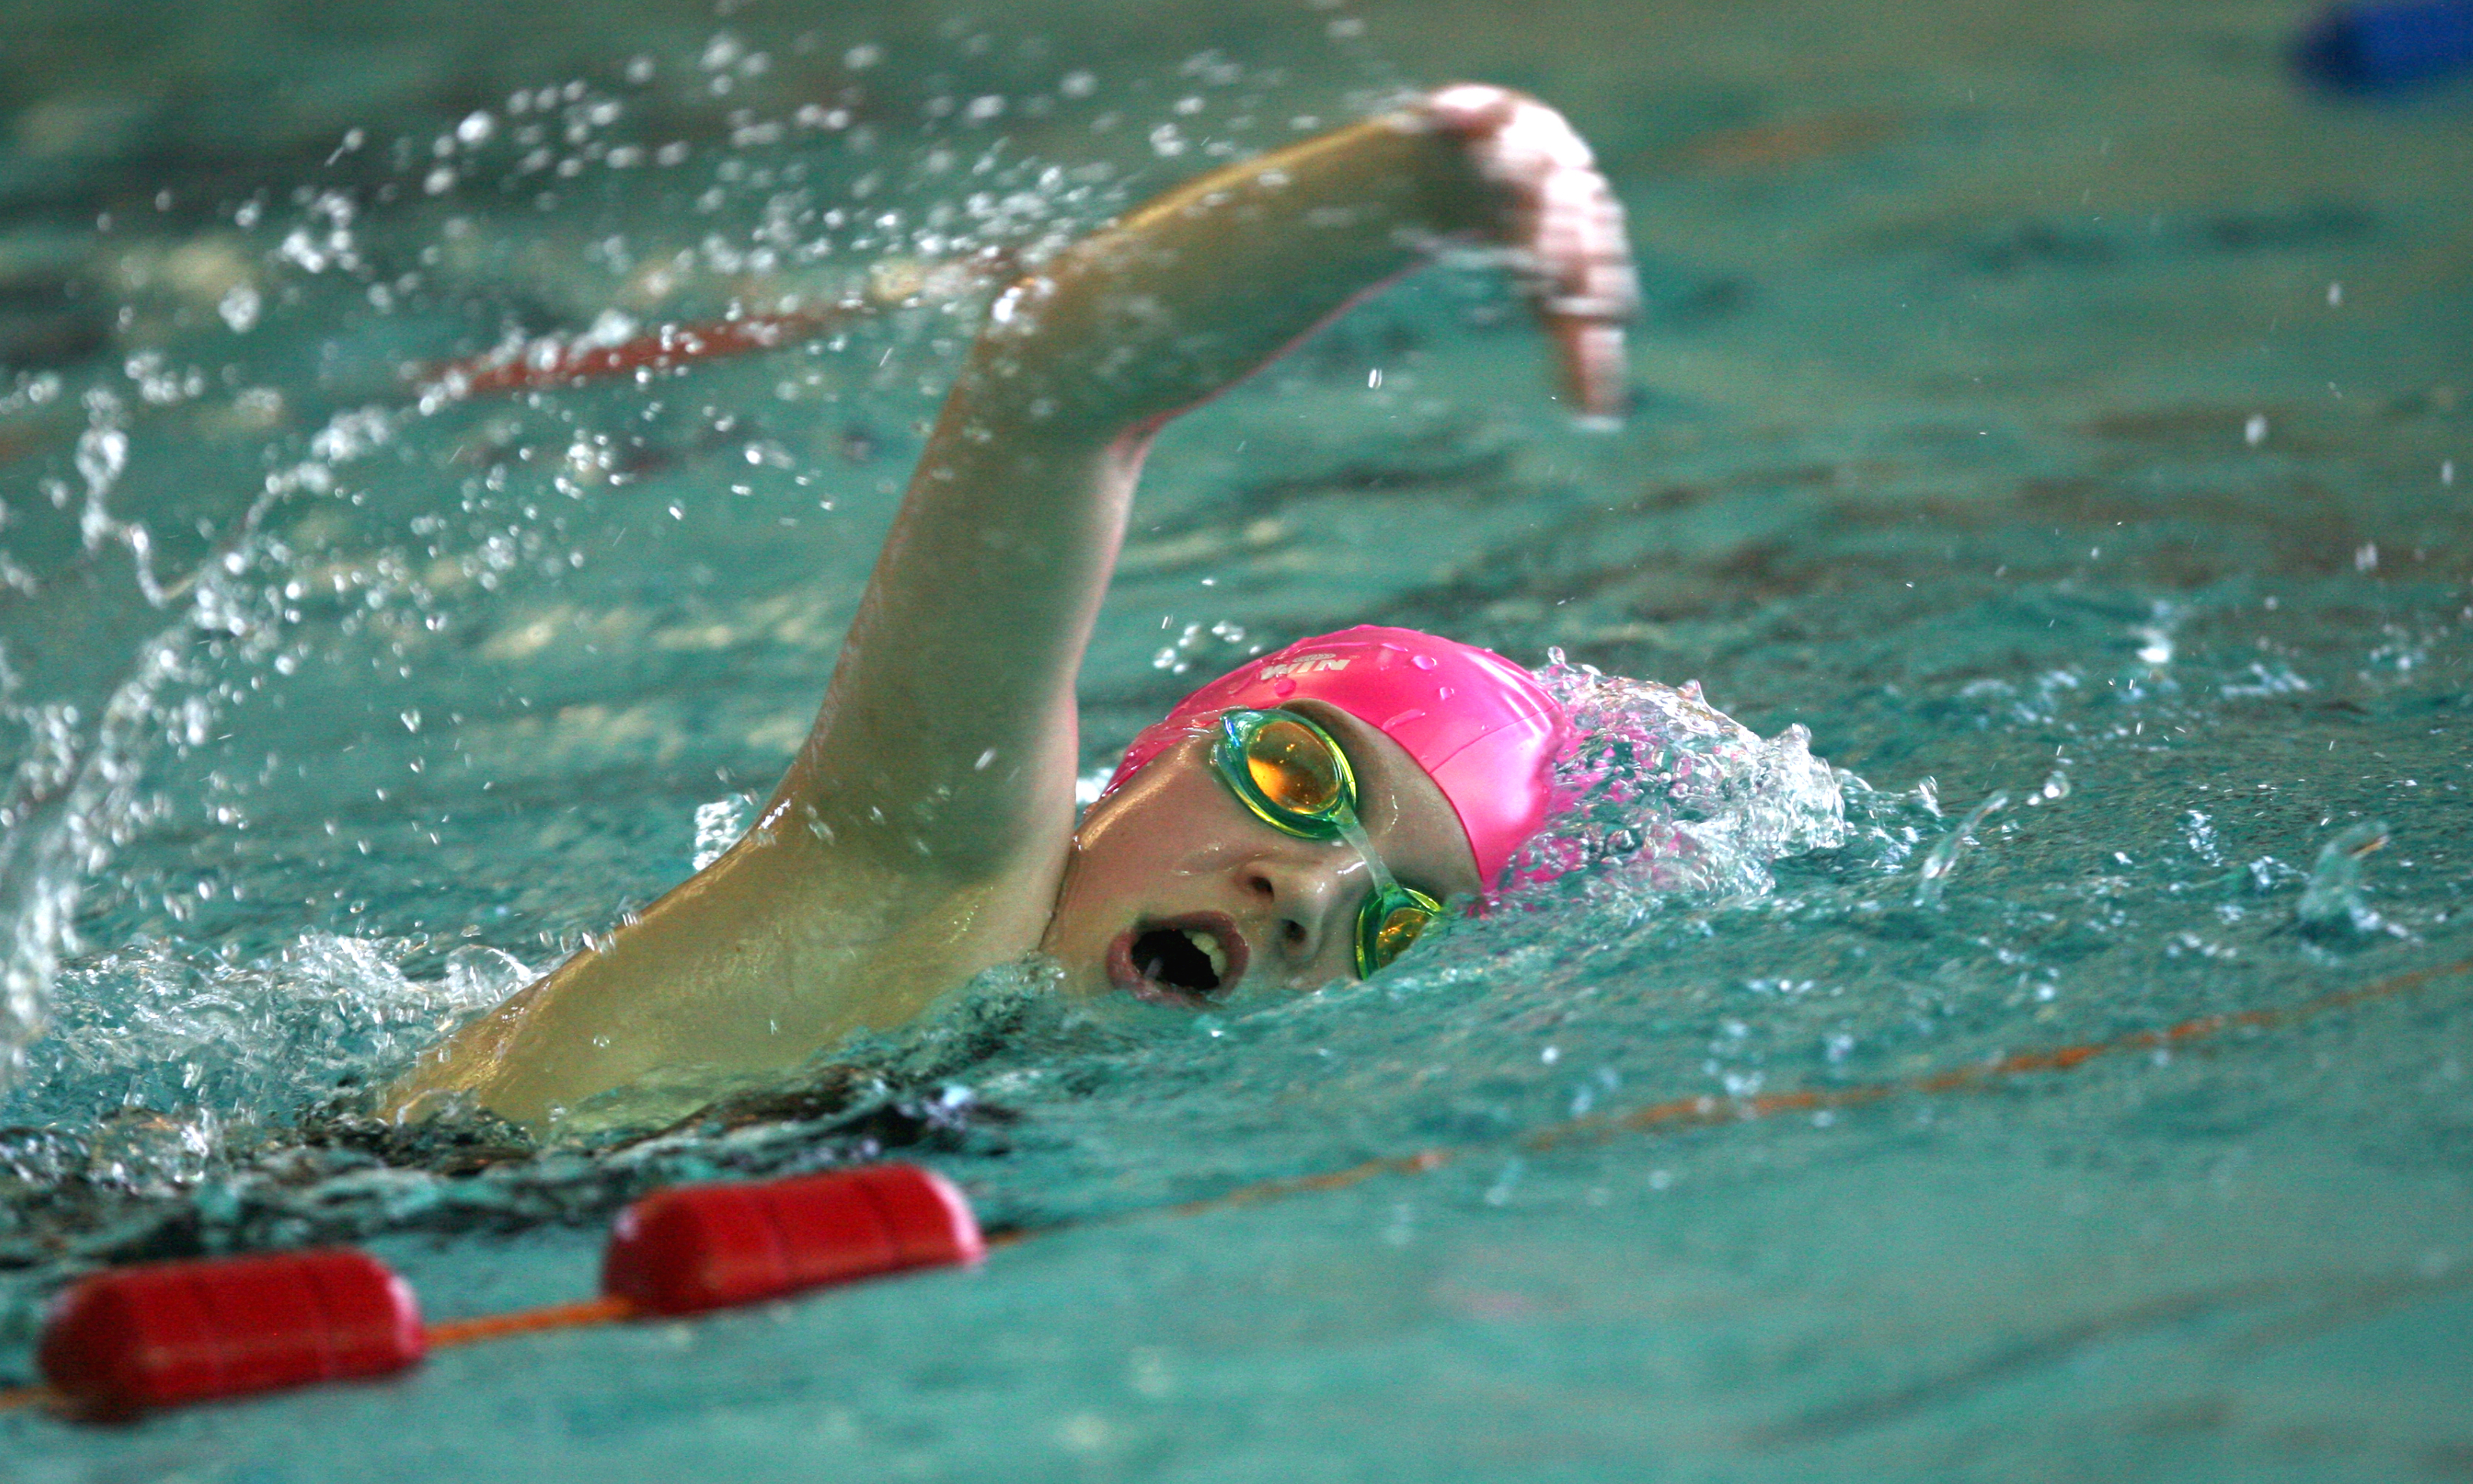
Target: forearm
{"x":1200,"y":287}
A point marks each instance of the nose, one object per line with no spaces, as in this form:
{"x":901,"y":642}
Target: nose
{"x":1303,"y":891}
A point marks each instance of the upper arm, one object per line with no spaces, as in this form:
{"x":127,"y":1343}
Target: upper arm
{"x":947,"y":738}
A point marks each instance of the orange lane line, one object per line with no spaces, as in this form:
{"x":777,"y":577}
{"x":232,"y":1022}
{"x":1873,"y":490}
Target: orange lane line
{"x":12,"y":1397}
{"x":1711,"y":1110}
{"x":1417,"y":1164}
{"x":531,"y":1321}
{"x":671,"y":345}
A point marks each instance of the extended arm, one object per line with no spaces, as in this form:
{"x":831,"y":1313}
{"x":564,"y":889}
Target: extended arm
{"x":947,"y":735}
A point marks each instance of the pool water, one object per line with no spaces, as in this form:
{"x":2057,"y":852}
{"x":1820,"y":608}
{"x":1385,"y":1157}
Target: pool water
{"x":2061,"y":412}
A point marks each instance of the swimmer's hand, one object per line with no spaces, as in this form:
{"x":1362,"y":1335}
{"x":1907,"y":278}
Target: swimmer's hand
{"x":1563,"y":220}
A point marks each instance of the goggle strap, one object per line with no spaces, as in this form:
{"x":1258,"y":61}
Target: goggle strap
{"x":1385,"y":883}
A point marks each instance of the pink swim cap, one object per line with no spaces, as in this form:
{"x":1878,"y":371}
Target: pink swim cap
{"x":1481,"y":727}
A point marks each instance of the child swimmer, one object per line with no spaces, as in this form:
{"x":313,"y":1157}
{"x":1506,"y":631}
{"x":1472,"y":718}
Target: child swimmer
{"x":1295,"y":822}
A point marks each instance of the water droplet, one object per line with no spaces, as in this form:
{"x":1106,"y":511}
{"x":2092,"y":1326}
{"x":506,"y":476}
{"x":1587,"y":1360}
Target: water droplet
{"x":239,"y":307}
{"x":1933,"y":876}
{"x":2332,"y":901}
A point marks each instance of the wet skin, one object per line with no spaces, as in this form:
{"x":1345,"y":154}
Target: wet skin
{"x":1173,"y":848}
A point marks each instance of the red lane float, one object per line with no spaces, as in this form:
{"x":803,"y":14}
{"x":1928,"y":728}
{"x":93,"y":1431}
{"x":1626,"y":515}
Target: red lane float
{"x":166,"y":1334}
{"x":693,"y":1248}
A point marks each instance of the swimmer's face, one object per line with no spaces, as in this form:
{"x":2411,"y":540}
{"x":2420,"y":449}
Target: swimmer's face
{"x":1177,"y":894}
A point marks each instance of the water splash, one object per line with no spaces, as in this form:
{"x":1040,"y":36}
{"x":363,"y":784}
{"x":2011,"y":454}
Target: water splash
{"x":1665,"y":795}
{"x":74,"y":795}
{"x":246,"y":1042}
{"x":2333,"y":903}
{"x":77,"y":791}
{"x":718,"y":824}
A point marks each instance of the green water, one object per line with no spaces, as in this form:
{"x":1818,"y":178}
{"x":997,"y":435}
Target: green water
{"x":2056,"y":401}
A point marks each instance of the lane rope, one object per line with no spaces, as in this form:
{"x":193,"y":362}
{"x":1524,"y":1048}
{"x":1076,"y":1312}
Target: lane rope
{"x":580,"y":1314}
{"x":566,"y":361}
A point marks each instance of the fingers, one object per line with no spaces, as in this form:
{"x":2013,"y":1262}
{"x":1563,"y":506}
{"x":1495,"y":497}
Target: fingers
{"x":1566,"y":222}
{"x":1591,"y":357}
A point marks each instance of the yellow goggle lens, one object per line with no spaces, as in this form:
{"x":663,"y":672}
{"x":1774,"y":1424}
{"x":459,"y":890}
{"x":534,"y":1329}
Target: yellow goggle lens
{"x":1390,"y":923}
{"x":1398,"y":933}
{"x":1293,"y":767}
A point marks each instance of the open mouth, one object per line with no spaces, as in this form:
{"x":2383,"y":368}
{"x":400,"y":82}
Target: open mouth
{"x":1179,"y":961}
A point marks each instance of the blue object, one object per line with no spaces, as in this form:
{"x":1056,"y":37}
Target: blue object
{"x":2370,"y":48}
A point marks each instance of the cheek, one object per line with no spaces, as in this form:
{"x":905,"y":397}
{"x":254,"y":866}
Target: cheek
{"x":1175,"y":818}
{"x":1337,"y":959}
{"x":1122,"y":860}
{"x":1096,"y":882}
{"x":1086,"y":918}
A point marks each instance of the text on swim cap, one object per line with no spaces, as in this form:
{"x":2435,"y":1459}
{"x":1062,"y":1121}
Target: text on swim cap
{"x":1303,"y":664}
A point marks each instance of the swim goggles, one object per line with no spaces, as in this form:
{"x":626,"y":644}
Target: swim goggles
{"x":1294,"y":777}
